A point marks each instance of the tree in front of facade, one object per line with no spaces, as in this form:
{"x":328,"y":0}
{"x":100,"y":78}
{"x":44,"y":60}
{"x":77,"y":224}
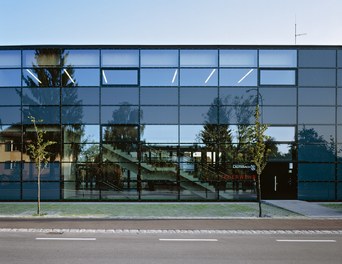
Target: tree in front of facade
{"x":259,"y":150}
{"x":39,"y":154}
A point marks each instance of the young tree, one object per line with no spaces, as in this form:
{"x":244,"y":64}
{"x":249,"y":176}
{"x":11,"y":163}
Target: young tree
{"x":39,"y":154}
{"x":260,"y":152}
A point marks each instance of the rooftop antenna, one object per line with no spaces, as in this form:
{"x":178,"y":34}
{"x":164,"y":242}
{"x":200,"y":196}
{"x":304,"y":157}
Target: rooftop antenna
{"x":297,"y":35}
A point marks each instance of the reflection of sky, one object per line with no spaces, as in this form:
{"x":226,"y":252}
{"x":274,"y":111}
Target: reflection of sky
{"x":160,"y":134}
{"x":92,"y":133}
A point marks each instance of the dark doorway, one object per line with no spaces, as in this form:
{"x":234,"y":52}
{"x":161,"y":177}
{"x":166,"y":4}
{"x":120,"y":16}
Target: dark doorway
{"x":279,"y":181}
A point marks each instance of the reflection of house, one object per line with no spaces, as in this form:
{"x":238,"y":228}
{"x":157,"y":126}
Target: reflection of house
{"x":171,"y":122}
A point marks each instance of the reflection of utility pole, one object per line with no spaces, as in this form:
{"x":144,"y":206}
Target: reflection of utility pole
{"x":261,"y":100}
{"x":297,"y":35}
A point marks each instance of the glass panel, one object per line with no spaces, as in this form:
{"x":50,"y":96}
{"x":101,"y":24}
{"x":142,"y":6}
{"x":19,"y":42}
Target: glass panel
{"x":238,"y":58}
{"x":10,"y":191}
{"x":159,"y":134}
{"x":80,"y":114}
{"x":339,"y":58}
{"x":190,"y":133}
{"x":10,"y":96}
{"x":278,"y":115}
{"x":159,"y":77}
{"x":316,"y":134}
{"x":282,"y":151}
{"x":10,"y":78}
{"x":317,"y":58}
{"x":120,"y":133}
{"x":10,"y":58}
{"x":80,"y":77}
{"x":80,"y":96}
{"x":198,"y":114}
{"x":339,"y":134}
{"x":119,"y":96}
{"x":41,"y":77}
{"x":339,"y":77}
{"x":159,"y":190}
{"x":159,"y":115}
{"x":316,"y":96}
{"x":238,"y":77}
{"x":316,"y":172}
{"x":41,"y":57}
{"x":88,"y":58}
{"x":48,"y":114}
{"x":339,"y":115}
{"x":316,"y":191}
{"x":339,"y":175}
{"x":49,"y":173}
{"x":49,"y":191}
{"x":316,"y":153}
{"x":198,"y":58}
{"x":278,"y":96}
{"x":316,"y":77}
{"x":119,"y":77}
{"x":123,"y":114}
{"x":10,"y":115}
{"x":277,"y":58}
{"x":159,"y":58}
{"x":81,"y":134}
{"x":281,"y":133}
{"x":195,"y":96}
{"x":9,"y":170}
{"x":198,"y":77}
{"x":120,"y":58}
{"x":238,"y":96}
{"x":277,"y":77}
{"x":316,"y":115}
{"x":159,"y":96}
{"x":40,"y":96}
{"x":86,"y":153}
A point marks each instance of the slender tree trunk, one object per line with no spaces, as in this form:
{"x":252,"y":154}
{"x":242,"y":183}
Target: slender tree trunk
{"x":38,"y":193}
{"x":259,"y":195}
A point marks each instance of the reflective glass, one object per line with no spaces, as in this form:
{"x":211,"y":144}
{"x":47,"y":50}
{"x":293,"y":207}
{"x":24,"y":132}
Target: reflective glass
{"x":282,"y":152}
{"x":238,"y":77}
{"x":10,"y":191}
{"x":159,"y":189}
{"x":316,"y":172}
{"x":316,"y":153}
{"x":339,"y":58}
{"x":10,"y":78}
{"x":339,"y":134}
{"x":159,"y":134}
{"x":282,"y":133}
{"x":10,"y":115}
{"x":40,"y":96}
{"x":277,"y":77}
{"x":198,"y":114}
{"x":123,"y":114}
{"x":81,"y":134}
{"x":49,"y":173}
{"x":238,"y":58}
{"x":339,"y":78}
{"x":237,"y":114}
{"x":312,"y":191}
{"x":11,"y":150}
{"x":49,"y":190}
{"x":277,"y":58}
{"x":48,"y":114}
{"x":80,"y":77}
{"x":10,"y":58}
{"x":118,"y":96}
{"x":80,"y":114}
{"x":198,"y":77}
{"x":41,"y":77}
{"x":317,"y":77}
{"x":120,"y":58}
{"x":316,"y":96}
{"x":159,"y":58}
{"x":339,"y":115}
{"x":317,"y":58}
{"x":316,"y":134}
{"x":119,"y":77}
{"x":79,"y":58}
{"x":316,"y":115}
{"x":80,"y":96}
{"x":195,"y":96}
{"x":190,"y":133}
{"x":41,"y":57}
{"x":238,"y":96}
{"x":198,"y":58}
{"x":159,"y":96}
{"x":278,"y":115}
{"x":339,"y":96}
{"x":120,"y":133}
{"x":278,"y":96}
{"x":158,"y":77}
{"x":10,"y":96}
{"x":10,"y":134}
{"x":87,"y":153}
{"x":159,"y":115}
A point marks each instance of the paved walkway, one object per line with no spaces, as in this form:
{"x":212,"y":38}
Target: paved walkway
{"x":308,"y":209}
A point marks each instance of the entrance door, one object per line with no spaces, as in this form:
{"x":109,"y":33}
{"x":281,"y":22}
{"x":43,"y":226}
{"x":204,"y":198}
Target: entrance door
{"x":278,"y":181}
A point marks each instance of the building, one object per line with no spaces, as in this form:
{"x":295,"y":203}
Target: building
{"x":169,"y":122}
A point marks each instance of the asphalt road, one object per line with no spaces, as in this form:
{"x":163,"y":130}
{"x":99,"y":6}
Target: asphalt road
{"x":36,"y":248}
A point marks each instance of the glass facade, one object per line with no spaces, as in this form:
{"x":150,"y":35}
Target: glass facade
{"x":169,"y":123}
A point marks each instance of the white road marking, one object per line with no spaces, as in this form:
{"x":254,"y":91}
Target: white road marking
{"x":307,"y":240}
{"x":188,"y":239}
{"x":66,"y":238}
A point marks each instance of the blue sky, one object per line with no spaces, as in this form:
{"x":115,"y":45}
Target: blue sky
{"x":24,"y":22}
